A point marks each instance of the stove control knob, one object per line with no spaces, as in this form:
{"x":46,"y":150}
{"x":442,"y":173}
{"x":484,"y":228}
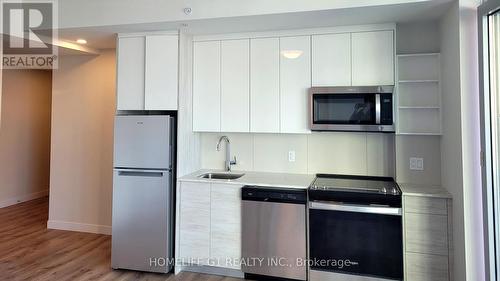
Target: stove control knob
{"x":314,"y":187}
{"x":394,"y":191}
{"x":324,"y":187}
{"x":384,"y":190}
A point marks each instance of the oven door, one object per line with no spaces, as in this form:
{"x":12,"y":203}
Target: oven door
{"x":349,"y":242}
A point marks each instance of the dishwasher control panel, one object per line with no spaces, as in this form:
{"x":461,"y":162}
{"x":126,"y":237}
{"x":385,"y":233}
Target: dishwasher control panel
{"x":274,"y":194}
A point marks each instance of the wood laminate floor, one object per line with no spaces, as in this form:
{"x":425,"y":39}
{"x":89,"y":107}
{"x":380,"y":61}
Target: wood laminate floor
{"x":30,"y":251}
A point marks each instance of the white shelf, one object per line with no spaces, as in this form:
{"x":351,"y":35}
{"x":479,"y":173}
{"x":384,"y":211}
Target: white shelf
{"x":417,"y":55}
{"x":418,"y":81}
{"x":419,"y":95}
{"x":419,"y":107}
{"x":418,"y":134}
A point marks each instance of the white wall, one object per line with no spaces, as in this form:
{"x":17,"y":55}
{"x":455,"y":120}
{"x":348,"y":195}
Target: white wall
{"x":471,"y":142}
{"x":451,"y":140}
{"x":83,"y":108}
{"x":188,"y":143}
{"x":460,"y":143}
{"x":25,"y":135}
{"x":418,"y":37}
{"x":77,"y":13}
{"x":343,"y":153}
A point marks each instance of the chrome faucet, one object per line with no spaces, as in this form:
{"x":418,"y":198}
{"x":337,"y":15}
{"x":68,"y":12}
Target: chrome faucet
{"x":229,"y":162}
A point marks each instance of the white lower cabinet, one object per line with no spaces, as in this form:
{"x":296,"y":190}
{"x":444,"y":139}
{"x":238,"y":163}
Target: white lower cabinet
{"x":225,"y":230}
{"x":210,"y":224}
{"x":427,"y":238}
{"x":194,"y":223}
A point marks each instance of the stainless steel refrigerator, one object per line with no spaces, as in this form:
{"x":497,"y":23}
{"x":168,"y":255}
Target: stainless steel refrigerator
{"x":143,"y":193}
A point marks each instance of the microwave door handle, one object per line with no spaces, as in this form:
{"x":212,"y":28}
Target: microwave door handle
{"x":368,"y":209}
{"x":377,"y":109}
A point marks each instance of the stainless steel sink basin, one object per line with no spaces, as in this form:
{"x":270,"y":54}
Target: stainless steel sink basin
{"x":221,"y":176}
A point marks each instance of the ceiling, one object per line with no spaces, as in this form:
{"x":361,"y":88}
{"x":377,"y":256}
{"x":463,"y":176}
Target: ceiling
{"x":104,"y":37}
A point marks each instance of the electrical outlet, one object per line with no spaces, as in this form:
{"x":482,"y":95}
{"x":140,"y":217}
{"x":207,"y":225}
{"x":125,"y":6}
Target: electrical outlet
{"x":291,"y":156}
{"x":416,"y":164}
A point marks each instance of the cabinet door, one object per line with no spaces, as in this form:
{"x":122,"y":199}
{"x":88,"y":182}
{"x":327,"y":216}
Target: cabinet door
{"x":265,"y":85}
{"x":130,"y":86}
{"x":331,"y":60}
{"x":161,"y":84}
{"x":235,"y":88}
{"x":225,"y":224}
{"x":373,"y":58}
{"x":195,"y":221}
{"x":295,"y":81}
{"x":206,"y":86}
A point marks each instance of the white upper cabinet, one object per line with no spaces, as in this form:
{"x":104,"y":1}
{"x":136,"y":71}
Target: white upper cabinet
{"x":261,"y":85}
{"x":161,"y":80}
{"x":130,"y":86}
{"x":295,"y":81}
{"x":147,"y":72}
{"x":373,"y":58}
{"x":331,"y":60}
{"x":207,"y":86}
{"x":265,"y":85}
{"x":235,"y":99}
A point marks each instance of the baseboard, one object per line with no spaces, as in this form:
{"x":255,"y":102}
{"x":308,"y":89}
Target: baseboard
{"x":213,"y":270}
{"x":80,"y":227}
{"x":23,"y":198}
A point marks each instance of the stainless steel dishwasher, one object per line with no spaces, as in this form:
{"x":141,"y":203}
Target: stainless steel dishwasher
{"x":274,"y":232}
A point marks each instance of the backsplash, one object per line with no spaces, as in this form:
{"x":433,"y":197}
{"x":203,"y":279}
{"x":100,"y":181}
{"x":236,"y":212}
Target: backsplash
{"x":335,"y":152}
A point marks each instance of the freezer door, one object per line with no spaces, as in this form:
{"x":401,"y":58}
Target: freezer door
{"x":142,"y":142}
{"x":142,"y":220}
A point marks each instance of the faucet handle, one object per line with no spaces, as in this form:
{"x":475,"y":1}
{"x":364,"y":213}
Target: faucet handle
{"x":233,"y":162}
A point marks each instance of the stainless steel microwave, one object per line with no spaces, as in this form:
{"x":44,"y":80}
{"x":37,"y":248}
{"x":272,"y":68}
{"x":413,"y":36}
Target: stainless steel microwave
{"x":365,"y":109}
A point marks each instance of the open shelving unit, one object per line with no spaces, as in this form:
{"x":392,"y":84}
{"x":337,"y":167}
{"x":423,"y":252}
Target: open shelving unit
{"x":418,"y":94}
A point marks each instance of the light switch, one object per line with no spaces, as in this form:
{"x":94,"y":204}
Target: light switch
{"x":416,"y":164}
{"x":291,"y":156}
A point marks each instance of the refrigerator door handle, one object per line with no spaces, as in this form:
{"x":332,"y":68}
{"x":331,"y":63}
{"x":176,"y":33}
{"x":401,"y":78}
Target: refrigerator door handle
{"x":141,"y":173}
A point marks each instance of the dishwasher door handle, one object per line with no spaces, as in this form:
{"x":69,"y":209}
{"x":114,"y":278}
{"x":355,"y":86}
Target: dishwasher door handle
{"x":368,"y":209}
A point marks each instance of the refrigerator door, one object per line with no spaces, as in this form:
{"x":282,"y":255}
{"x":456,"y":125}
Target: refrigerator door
{"x":142,"y":219}
{"x":142,"y":142}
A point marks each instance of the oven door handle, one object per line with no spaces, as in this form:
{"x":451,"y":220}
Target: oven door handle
{"x":368,"y":209}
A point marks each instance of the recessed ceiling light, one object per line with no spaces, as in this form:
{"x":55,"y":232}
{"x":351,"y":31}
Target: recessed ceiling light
{"x":81,"y":41}
{"x":292,"y":54}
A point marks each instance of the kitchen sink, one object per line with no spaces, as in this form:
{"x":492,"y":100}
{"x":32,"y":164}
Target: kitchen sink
{"x":221,"y":176}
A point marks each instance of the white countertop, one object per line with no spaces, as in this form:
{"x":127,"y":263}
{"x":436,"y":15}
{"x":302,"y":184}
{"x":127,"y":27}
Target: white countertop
{"x":300,"y":181}
{"x":410,"y":189}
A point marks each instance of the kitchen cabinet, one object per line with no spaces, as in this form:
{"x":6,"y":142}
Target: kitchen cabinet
{"x":206,"y":86}
{"x":210,"y":223}
{"x":261,"y":84}
{"x":427,"y":238}
{"x":265,"y":85}
{"x":161,"y":72}
{"x":235,"y":88}
{"x":295,"y":81}
{"x":331,"y":60}
{"x":130,"y":73}
{"x":195,"y":222}
{"x":373,"y":58}
{"x":225,"y":235}
{"x":147,"y":72}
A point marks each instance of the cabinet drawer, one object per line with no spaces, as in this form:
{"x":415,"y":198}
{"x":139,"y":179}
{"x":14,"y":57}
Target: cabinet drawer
{"x":425,"y":205}
{"x":426,"y":233}
{"x":423,"y":267}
